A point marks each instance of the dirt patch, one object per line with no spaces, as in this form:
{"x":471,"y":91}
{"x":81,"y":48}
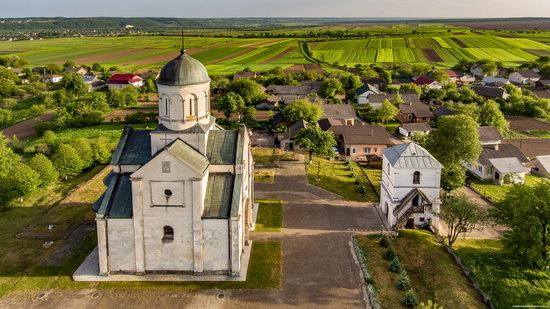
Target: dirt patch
{"x":232,"y":56}
{"x":25,"y":129}
{"x":531,"y":147}
{"x":541,"y":24}
{"x":112,"y":56}
{"x":459,"y":42}
{"x":522,"y":123}
{"x":305,"y":67}
{"x":431,"y":55}
{"x":279,"y":56}
{"x":262,"y":43}
{"x":538,"y":52}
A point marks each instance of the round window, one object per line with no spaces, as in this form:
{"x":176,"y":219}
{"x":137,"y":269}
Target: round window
{"x":167,"y":193}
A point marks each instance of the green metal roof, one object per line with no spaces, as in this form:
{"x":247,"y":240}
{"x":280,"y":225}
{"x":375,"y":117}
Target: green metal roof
{"x":236,"y":199}
{"x":219,"y":191}
{"x":134,"y":147}
{"x":116,"y":202}
{"x":183,"y":70}
{"x":222,"y":147}
{"x":189,"y":155}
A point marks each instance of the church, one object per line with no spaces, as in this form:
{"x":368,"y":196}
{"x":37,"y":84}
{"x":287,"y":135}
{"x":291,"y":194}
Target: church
{"x":410,"y":187}
{"x":179,"y":198}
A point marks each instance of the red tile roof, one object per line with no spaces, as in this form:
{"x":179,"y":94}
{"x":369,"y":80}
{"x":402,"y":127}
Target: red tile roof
{"x":423,"y":80}
{"x":124,"y":79}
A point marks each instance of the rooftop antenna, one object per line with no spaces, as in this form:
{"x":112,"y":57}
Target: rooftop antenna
{"x":182,"y":44}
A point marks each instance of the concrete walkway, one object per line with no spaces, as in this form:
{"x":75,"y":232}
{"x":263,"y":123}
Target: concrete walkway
{"x":318,"y":267}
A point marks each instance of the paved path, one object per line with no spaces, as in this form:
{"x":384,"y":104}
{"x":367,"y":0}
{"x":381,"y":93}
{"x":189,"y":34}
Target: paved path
{"x":25,"y":129}
{"x":318,"y":268}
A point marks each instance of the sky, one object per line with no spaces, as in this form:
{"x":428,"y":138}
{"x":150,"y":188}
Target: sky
{"x":276,"y":8}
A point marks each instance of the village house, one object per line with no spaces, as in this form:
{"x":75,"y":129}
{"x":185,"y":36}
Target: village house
{"x":499,"y":163}
{"x":269,"y":103}
{"x":361,"y":142}
{"x":414,"y":112}
{"x":179,"y":199}
{"x":288,"y":94}
{"x":96,"y":85}
{"x":244,"y":74}
{"x":343,"y":113}
{"x":410,"y":186}
{"x":441,"y":111}
{"x":494,"y":81}
{"x":543,"y":84}
{"x":286,"y":139}
{"x":541,"y":166}
{"x":119,"y":81}
{"x":75,"y":70}
{"x":524,"y":77}
{"x":490,"y":92}
{"x":52,"y":78}
{"x":477,"y":71}
{"x":428,"y":82}
{"x":376,"y":100}
{"x":466,"y":79}
{"x":452,"y":76}
{"x":364,"y":92}
{"x":411,"y":129}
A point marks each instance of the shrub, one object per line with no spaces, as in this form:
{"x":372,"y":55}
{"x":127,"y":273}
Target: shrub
{"x":45,"y":169}
{"x":410,"y":299}
{"x":67,"y":161}
{"x":350,"y":168}
{"x":403,"y":283}
{"x":353,"y":175}
{"x":429,"y":305}
{"x":360,"y":189}
{"x":395,"y":265}
{"x":389,"y":254}
{"x":384,"y":241}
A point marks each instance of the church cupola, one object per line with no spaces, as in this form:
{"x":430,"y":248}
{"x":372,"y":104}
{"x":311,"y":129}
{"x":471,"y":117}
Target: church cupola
{"x":184,"y":93}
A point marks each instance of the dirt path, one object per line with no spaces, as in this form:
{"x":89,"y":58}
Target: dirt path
{"x":318,"y":268}
{"x":25,"y":129}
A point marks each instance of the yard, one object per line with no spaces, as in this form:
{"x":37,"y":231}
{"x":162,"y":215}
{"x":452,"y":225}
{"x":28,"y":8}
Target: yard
{"x":27,"y":263}
{"x":495,"y":192}
{"x":336,"y":177}
{"x":263,"y":156}
{"x":508,"y":284}
{"x":264,"y":176}
{"x":432,"y":273}
{"x":270,"y":216}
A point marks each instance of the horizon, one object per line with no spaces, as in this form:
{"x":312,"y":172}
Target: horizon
{"x":429,"y":9}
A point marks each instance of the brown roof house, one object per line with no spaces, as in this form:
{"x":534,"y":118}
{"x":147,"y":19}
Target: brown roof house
{"x":490,"y":92}
{"x":524,"y":77}
{"x":498,"y":163}
{"x":344,"y":113}
{"x":414,"y":112}
{"x":361,"y":141}
{"x":286,"y":139}
{"x":288,"y":94}
{"x":376,"y":99}
{"x":240,"y":75}
{"x":410,"y":129}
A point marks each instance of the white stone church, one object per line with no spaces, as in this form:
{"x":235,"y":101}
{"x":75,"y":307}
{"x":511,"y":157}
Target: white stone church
{"x":179,"y":198}
{"x":411,"y":178}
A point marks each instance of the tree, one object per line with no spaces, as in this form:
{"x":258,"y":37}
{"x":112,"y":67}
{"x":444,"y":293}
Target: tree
{"x":84,"y":150}
{"x":315,"y":140}
{"x":248,"y":89}
{"x":545,"y":71}
{"x":421,"y":69}
{"x":6,"y":117}
{"x":489,"y":67}
{"x":248,"y":115}
{"x":490,"y":115}
{"x":303,"y":109}
{"x":351,"y":83}
{"x":149,"y":85}
{"x":98,"y":102}
{"x":45,"y":169}
{"x":67,"y":161}
{"x":470,"y":110}
{"x":23,"y":179}
{"x":96,"y":67}
{"x":386,"y":112}
{"x":440,"y":76}
{"x":101,"y":151}
{"x":526,"y":211}
{"x":122,"y":98}
{"x":230,"y":103}
{"x":460,"y":215}
{"x":453,"y":177}
{"x":330,"y":87}
{"x":8,"y":103}
{"x":455,"y":140}
{"x":74,"y":84}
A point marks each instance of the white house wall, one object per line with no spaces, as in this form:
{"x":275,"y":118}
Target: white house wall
{"x":215,"y":244}
{"x":120,"y":239}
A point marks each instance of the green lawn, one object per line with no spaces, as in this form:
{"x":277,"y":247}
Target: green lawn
{"x":270,"y":216}
{"x":270,"y":155}
{"x":433,"y":274}
{"x":336,"y":177}
{"x":498,"y":192}
{"x":506,"y":282}
{"x":375,"y":177}
{"x":264,"y":176}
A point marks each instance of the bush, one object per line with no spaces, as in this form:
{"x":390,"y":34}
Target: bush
{"x":384,"y":241}
{"x":403,"y":283}
{"x":395,"y":265}
{"x":410,"y":299}
{"x":45,"y":169}
{"x":353,"y":175}
{"x":6,"y":117}
{"x":350,"y":168}
{"x":429,"y":305}
{"x":67,"y":161}
{"x":389,"y":254}
{"x":360,"y":189}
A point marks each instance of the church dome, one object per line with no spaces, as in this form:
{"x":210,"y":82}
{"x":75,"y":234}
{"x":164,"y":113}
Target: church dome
{"x":182,"y":71}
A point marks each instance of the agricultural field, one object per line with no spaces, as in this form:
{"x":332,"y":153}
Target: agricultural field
{"x":446,"y":51}
{"x":220,"y":55}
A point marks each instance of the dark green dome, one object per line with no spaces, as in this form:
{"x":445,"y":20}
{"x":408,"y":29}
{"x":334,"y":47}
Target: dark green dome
{"x":183,"y":70}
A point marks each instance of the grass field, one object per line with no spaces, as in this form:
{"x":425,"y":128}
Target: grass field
{"x":507,"y":283}
{"x":433,"y":274}
{"x":270,"y":216}
{"x":496,"y":193}
{"x":336,"y":177}
{"x":227,"y":55}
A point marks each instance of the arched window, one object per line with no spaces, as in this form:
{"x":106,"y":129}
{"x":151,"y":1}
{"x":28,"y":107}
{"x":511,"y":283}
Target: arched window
{"x":416,"y":178}
{"x":168,"y":234}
